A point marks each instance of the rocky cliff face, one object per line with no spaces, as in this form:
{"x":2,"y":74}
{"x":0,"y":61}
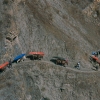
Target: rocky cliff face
{"x":67,"y":28}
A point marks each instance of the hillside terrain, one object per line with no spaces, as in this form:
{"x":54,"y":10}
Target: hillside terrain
{"x":67,"y":28}
{"x":59,"y":28}
{"x":45,"y":81}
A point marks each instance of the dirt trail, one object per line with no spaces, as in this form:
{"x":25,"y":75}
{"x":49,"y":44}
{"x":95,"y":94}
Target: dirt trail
{"x":62,"y":28}
{"x":44,"y":79}
{"x":50,"y":63}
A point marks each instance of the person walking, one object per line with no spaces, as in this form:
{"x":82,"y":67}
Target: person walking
{"x":78,"y":65}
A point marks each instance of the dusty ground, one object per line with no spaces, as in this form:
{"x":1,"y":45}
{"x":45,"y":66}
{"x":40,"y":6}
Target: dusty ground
{"x":65,"y":28}
{"x":68,"y":29}
{"x":45,"y":81}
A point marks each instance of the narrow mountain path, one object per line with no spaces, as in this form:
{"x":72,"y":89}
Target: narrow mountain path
{"x":47,"y":62}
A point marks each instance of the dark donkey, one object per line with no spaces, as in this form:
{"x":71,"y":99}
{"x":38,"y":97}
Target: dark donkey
{"x":60,"y":61}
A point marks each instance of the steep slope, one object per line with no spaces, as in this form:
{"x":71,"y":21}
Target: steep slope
{"x":64,"y":28}
{"x":44,"y":81}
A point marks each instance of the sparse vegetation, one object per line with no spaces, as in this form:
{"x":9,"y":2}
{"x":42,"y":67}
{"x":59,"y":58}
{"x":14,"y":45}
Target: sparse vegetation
{"x":0,"y":22}
{"x":5,"y":2}
{"x":46,"y":99}
{"x":98,"y":13}
{"x":1,"y":37}
{"x":58,"y":28}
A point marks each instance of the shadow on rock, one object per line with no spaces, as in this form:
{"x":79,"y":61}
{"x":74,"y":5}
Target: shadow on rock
{"x":53,"y":60}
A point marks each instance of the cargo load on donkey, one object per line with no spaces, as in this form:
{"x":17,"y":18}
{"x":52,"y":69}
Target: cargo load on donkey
{"x":35,"y":55}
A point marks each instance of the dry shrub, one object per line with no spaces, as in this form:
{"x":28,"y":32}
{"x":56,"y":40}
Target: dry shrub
{"x":5,"y":2}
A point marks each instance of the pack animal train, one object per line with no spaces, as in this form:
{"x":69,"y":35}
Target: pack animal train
{"x":33,"y":56}
{"x":60,"y":61}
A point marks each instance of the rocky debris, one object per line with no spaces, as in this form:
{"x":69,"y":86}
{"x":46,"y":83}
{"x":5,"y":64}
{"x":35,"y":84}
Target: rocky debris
{"x":63,"y":28}
{"x":58,"y":28}
{"x":41,"y":80}
{"x":11,"y":36}
{"x":91,"y":8}
{"x":93,"y":11}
